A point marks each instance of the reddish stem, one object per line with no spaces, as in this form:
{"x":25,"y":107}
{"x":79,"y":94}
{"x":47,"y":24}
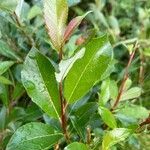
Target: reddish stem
{"x":147,"y":121}
{"x":126,"y":74}
{"x":63,"y":113}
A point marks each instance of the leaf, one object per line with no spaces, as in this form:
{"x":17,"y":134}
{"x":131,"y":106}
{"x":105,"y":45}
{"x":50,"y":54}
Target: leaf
{"x":114,"y":24}
{"x":4,"y":80}
{"x":73,"y":2}
{"x":34,"y":12}
{"x":72,"y":26}
{"x":134,"y":111}
{"x":5,"y":65}
{"x":80,"y":117}
{"x":8,"y":5}
{"x":128,"y":84}
{"x":3,"y":116}
{"x":56,"y":14}
{"x":18,"y":91}
{"x":6,"y":51}
{"x":76,"y":146}
{"x":19,"y":8}
{"x":39,"y":81}
{"x":115,"y":136}
{"x":113,"y":89}
{"x":4,"y":94}
{"x":132,"y":93}
{"x":65,"y":65}
{"x":88,"y":70}
{"x":105,"y":92}
{"x":107,"y":117}
{"x":35,"y":136}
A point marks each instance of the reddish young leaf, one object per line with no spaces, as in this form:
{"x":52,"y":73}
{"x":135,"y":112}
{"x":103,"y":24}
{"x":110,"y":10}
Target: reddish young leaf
{"x":74,"y":23}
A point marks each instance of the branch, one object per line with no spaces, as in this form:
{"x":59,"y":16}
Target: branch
{"x":147,"y":121}
{"x":126,"y":74}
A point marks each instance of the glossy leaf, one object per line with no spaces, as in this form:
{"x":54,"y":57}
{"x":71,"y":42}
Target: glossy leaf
{"x":34,"y":11}
{"x":105,"y":92}
{"x":132,"y":93}
{"x":80,"y":117}
{"x":107,"y":117}
{"x":5,"y":65}
{"x":65,"y":65}
{"x":8,"y":5}
{"x":4,"y":80}
{"x":6,"y":51}
{"x":55,"y":14}
{"x":113,"y":89}
{"x":88,"y":70}
{"x":19,"y":8}
{"x":134,"y":111}
{"x":35,"y":136}
{"x":76,"y":146}
{"x":4,"y":97}
{"x":39,"y":81}
{"x":72,"y":26}
{"x":3,"y":116}
{"x":114,"y":24}
{"x":115,"y":136}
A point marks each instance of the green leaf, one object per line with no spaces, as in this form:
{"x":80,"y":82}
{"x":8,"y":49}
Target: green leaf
{"x":107,"y":117}
{"x":4,"y":94}
{"x":34,"y":12}
{"x":18,"y":91}
{"x":114,"y":24}
{"x":5,"y":65}
{"x":72,"y":26}
{"x":134,"y":111}
{"x":65,"y":65}
{"x":105,"y":92}
{"x":56,"y":14}
{"x":4,"y":80}
{"x":115,"y":136}
{"x":76,"y":146}
{"x":6,"y":51}
{"x":132,"y":93}
{"x":19,"y":8}
{"x":113,"y":89}
{"x":73,"y":2}
{"x":80,"y":117}
{"x":33,"y":136}
{"x":3,"y":116}
{"x":39,"y":81}
{"x":128,"y":84}
{"x":88,"y":70}
{"x":8,"y":5}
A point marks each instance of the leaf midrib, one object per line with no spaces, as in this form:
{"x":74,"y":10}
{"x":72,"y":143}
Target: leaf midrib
{"x":81,"y":76}
{"x":50,"y":98}
{"x":39,"y":138}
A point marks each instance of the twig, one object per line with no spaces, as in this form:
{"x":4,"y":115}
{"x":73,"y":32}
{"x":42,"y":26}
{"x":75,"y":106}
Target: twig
{"x":126,"y":74}
{"x":88,"y":135}
{"x":30,"y":40}
{"x":141,"y":73}
{"x":147,"y":121}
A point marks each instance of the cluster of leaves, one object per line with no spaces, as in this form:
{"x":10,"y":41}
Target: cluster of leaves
{"x":84,"y":85}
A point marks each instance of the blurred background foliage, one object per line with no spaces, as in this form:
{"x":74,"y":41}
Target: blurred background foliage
{"x":126,"y":21}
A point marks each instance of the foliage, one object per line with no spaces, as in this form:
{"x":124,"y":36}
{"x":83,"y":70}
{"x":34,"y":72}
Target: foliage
{"x":78,"y":84}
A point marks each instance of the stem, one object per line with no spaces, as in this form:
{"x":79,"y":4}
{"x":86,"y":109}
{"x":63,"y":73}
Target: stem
{"x":141,"y":73}
{"x":63,"y":113}
{"x":60,"y":54}
{"x":30,"y":40}
{"x":88,"y":135}
{"x":126,"y":74}
{"x":147,"y":121}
